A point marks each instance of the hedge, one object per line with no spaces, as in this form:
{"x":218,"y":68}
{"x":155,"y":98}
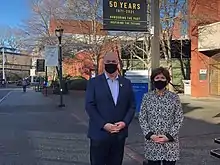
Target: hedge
{"x":77,"y":84}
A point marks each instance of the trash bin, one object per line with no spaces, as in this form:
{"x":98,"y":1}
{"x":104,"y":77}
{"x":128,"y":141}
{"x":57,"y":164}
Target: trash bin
{"x":187,"y":87}
{"x":140,"y":83}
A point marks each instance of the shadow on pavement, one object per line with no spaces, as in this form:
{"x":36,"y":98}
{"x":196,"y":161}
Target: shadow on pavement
{"x":218,"y":115}
{"x":187,"y":108}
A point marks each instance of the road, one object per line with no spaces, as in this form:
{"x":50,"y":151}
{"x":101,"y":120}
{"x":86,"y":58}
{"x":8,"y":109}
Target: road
{"x":34,"y":131}
{"x":3,"y":94}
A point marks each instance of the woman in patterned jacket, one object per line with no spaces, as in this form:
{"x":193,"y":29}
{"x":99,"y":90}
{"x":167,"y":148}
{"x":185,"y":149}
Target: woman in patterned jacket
{"x":160,"y":119}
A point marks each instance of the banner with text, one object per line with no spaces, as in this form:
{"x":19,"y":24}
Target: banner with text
{"x":51,"y":55}
{"x":121,"y":15}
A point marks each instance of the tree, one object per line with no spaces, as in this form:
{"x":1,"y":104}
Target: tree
{"x":137,"y":47}
{"x":84,"y":15}
{"x":38,"y":30}
{"x":89,"y":16}
{"x":37,"y":27}
{"x":169,"y":11}
{"x":11,"y":38}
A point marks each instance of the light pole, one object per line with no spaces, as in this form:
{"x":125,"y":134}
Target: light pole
{"x":155,"y":51}
{"x":3,"y":63}
{"x":156,"y":34}
{"x":59,"y":33}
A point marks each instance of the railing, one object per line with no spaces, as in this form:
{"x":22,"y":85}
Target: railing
{"x":216,"y":152}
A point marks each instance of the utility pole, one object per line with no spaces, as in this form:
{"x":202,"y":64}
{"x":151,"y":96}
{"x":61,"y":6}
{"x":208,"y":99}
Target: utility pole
{"x":3,"y":63}
{"x":155,"y":43}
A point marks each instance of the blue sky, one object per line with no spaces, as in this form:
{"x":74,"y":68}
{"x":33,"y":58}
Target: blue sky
{"x":13,"y":12}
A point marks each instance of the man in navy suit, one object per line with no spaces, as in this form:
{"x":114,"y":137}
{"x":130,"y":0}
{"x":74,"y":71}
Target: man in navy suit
{"x":110,"y":106}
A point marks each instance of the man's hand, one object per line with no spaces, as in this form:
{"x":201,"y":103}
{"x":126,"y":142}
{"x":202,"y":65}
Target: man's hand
{"x":120,"y":125}
{"x":112,"y":128}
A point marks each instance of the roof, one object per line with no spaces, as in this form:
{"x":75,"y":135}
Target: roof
{"x":76,"y":26}
{"x":16,"y":53}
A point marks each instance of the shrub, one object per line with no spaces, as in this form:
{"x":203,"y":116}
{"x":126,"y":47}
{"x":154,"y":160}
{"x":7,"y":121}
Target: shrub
{"x":77,"y":84}
{"x":73,"y":83}
{"x":55,"y":85}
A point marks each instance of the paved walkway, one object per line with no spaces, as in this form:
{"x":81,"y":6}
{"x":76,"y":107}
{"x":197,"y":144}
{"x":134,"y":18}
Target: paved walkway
{"x":34,"y":131}
{"x":197,"y":134}
{"x":202,"y":109}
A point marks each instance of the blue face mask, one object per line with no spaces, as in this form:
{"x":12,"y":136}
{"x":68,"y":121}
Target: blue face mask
{"x":160,"y":84}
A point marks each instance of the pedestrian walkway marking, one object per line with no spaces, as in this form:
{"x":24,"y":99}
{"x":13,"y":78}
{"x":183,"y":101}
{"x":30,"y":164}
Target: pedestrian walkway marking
{"x":3,"y":98}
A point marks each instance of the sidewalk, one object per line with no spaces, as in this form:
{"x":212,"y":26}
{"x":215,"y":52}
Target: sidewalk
{"x":197,"y":134}
{"x":34,"y":131}
{"x":57,"y":136}
{"x":17,"y":97}
{"x":205,"y":109}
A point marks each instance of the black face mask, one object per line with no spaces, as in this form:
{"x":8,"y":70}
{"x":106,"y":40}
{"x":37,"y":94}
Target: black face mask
{"x":160,"y":84}
{"x":111,"y":68}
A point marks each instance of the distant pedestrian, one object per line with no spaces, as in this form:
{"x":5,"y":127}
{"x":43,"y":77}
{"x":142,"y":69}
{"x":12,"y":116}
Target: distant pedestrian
{"x":3,"y":83}
{"x":161,"y":117}
{"x":24,"y":85}
{"x":110,"y":106}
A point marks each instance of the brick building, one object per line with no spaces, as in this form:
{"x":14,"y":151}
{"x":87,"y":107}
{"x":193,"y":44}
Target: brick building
{"x":204,"y":17}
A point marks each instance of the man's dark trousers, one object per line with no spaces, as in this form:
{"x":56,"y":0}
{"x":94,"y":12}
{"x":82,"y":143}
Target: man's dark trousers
{"x":107,"y":152}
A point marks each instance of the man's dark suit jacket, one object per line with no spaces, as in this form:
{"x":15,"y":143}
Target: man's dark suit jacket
{"x":101,"y":108}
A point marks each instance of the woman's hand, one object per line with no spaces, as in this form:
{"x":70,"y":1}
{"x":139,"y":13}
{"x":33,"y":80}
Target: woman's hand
{"x":159,"y":139}
{"x":162,"y":139}
{"x":155,"y":138}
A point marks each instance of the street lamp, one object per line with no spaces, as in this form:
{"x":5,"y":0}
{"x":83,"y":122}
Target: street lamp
{"x":59,"y":33}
